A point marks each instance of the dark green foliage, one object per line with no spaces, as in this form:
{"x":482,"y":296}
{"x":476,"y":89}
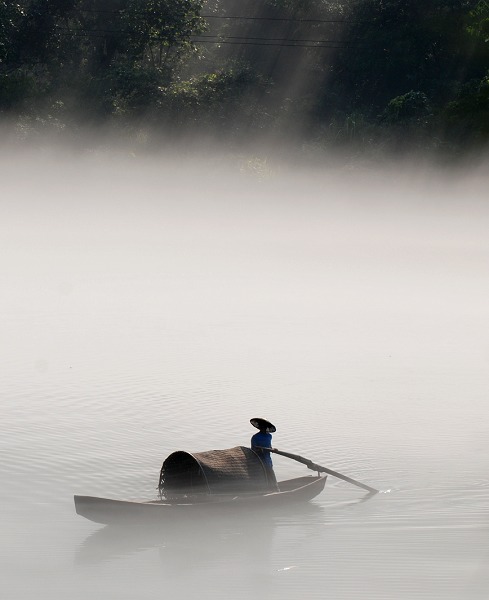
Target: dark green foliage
{"x":225,"y":101}
{"x":358,"y":72}
{"x":15,"y":87}
{"x":130,"y":89}
{"x":10,"y":20}
{"x":402,"y":45}
{"x":468,"y":114}
{"x":478,"y":23}
{"x":408,"y":108}
{"x":166,"y":22}
{"x":113,"y":59}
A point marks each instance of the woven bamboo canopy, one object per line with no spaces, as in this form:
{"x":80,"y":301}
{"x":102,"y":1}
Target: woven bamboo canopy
{"x":213,"y":472}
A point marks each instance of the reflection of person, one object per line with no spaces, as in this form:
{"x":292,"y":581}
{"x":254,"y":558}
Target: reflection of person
{"x":263,"y":439}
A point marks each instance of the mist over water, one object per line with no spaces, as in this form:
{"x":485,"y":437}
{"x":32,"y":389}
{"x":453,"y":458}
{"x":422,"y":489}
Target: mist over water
{"x":156,"y":304}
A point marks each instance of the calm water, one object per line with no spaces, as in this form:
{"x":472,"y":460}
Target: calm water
{"x":148,"y":307}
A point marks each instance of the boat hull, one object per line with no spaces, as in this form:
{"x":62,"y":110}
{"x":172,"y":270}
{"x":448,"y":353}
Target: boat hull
{"x":107,"y":510}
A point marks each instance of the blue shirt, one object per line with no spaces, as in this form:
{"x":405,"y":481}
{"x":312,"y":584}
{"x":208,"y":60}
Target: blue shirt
{"x":265,"y":441}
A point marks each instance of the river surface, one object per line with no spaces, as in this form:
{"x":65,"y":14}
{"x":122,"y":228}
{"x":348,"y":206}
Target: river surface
{"x":148,"y":307}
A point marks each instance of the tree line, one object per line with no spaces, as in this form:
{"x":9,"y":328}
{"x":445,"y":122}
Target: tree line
{"x":355,"y":73}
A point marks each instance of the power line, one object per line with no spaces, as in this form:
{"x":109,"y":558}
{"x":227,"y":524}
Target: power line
{"x":262,"y":39}
{"x":217,"y":37}
{"x":279,"y":19}
{"x":319,"y":44}
{"x":214,"y":39}
{"x":269,"y":44}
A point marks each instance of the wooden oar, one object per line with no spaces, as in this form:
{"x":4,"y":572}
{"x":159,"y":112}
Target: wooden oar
{"x":314,"y":467}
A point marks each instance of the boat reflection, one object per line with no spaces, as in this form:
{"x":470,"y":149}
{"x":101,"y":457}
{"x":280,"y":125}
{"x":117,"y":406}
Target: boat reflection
{"x":194,"y":543}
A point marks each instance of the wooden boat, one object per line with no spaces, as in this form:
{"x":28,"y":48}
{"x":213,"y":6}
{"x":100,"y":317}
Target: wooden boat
{"x":106,"y":510}
{"x":206,"y":483}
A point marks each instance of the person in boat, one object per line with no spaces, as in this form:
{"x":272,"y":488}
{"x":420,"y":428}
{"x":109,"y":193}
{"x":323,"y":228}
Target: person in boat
{"x":263,"y":439}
